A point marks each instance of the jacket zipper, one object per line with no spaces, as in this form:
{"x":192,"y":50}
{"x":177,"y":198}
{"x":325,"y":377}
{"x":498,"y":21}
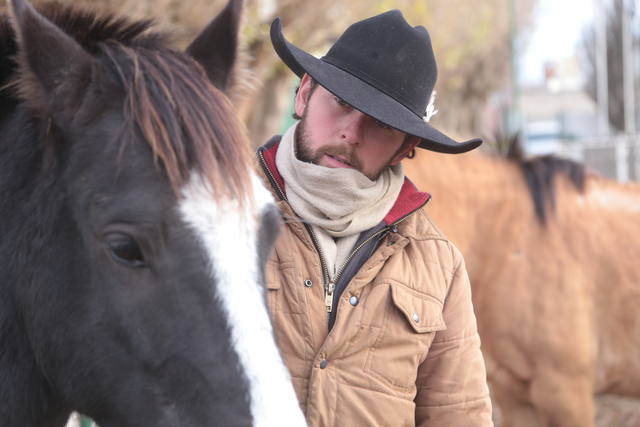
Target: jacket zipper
{"x":272,"y":179}
{"x":328,"y":290}
{"x":393,"y":227}
{"x":328,"y":297}
{"x":330,"y":284}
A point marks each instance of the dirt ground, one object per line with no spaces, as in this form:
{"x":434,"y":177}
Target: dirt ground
{"x":611,"y":411}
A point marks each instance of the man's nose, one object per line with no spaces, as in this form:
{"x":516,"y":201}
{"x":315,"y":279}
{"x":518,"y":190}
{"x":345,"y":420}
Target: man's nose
{"x":352,"y":131}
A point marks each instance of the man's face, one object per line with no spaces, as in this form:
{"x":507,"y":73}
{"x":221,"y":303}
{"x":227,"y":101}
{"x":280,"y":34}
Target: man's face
{"x":335,"y":135}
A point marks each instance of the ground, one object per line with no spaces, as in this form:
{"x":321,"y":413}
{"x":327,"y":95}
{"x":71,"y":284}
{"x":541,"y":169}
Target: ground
{"x":611,"y":411}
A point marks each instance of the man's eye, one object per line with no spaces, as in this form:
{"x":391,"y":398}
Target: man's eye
{"x":340,"y":102}
{"x":382,"y":125}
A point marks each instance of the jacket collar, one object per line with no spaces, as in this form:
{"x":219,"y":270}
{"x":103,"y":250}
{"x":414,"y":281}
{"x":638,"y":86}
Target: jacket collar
{"x":409,"y":199}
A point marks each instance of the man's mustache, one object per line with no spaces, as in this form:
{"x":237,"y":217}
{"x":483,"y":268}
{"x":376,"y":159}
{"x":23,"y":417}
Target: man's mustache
{"x":341,"y":153}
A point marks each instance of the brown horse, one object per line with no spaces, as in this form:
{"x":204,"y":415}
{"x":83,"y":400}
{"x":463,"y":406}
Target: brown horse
{"x":553,"y":254}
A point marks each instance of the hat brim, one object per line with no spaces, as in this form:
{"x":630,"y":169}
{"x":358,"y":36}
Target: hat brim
{"x":364,"y":97}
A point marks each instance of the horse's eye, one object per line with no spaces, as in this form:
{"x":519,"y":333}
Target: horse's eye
{"x":125,"y":250}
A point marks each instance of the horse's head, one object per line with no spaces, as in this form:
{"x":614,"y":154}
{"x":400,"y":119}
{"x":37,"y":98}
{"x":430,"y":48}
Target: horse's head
{"x":145,"y":305}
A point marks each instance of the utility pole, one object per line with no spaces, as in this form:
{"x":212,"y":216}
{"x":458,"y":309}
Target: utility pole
{"x":514,"y":124}
{"x":627,"y":68}
{"x":602,"y":86}
{"x":625,"y":152}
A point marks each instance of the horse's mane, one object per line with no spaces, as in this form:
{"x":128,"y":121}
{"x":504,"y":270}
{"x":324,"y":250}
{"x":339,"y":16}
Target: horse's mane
{"x":187,"y":122}
{"x":540,"y":174}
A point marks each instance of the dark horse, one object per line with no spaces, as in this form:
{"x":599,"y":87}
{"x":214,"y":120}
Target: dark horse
{"x":132,"y":230}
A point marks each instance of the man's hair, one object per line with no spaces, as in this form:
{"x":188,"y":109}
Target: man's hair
{"x":314,"y":86}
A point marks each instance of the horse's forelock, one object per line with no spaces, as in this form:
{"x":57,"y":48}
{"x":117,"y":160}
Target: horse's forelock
{"x":189,"y":124}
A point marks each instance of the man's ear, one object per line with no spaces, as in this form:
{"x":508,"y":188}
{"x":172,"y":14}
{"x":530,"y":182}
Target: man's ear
{"x":302,"y":96}
{"x":409,"y":144}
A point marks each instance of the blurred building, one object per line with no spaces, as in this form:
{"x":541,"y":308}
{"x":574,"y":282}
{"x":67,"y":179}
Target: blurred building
{"x":557,"y":114}
{"x":558,"y":117}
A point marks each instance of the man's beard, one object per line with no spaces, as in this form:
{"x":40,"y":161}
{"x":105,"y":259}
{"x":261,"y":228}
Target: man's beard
{"x":305,"y":154}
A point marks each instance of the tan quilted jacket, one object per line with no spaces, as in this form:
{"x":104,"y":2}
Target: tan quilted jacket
{"x":404,"y":349}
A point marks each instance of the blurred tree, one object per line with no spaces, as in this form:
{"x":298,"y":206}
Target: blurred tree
{"x":471,"y":41}
{"x":470,"y":38}
{"x":614,"y":63}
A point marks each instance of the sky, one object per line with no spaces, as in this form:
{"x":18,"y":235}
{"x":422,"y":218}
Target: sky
{"x":555,"y":33}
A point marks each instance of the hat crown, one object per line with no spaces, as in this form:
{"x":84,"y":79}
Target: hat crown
{"x":390,"y":55}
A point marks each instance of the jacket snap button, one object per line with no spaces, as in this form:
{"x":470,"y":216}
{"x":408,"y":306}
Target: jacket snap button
{"x":416,"y":318}
{"x":323,"y":363}
{"x":308,"y":283}
{"x":353,"y":300}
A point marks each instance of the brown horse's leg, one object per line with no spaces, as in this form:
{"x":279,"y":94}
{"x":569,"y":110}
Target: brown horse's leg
{"x":512,"y":411}
{"x":563,"y":401}
{"x":509,"y":397}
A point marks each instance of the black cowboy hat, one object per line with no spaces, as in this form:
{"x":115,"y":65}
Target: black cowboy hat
{"x":383,"y":67}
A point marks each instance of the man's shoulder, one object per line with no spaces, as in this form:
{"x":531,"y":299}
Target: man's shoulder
{"x":420,"y":226}
{"x":431,"y":241}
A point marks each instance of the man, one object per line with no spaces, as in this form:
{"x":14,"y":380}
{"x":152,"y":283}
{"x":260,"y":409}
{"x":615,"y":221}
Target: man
{"x":370,"y":302}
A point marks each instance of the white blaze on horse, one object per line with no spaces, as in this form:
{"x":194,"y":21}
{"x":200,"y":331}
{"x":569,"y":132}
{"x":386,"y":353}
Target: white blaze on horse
{"x":133,"y":230}
{"x":554,"y":260}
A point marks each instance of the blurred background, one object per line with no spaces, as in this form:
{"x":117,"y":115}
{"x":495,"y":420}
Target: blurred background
{"x":563,"y":76}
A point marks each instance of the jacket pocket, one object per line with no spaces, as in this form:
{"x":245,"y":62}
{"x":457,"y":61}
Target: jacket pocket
{"x":422,"y":312}
{"x":411,"y":320}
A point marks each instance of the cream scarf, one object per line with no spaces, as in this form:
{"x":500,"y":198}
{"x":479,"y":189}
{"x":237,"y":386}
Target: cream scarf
{"x":339,"y":203}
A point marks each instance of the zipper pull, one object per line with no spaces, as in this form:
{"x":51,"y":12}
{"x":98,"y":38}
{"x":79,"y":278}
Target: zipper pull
{"x":328,"y":296}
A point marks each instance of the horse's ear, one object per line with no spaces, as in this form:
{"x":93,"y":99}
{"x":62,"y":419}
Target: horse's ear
{"x":52,"y":64}
{"x":216,"y":48}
